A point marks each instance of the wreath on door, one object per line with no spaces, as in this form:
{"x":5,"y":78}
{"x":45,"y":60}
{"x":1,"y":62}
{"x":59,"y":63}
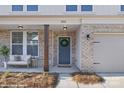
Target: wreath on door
{"x":64,"y":42}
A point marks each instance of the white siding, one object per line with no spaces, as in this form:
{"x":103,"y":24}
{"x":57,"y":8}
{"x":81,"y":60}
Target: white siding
{"x":52,"y":9}
{"x":106,"y":10}
{"x":61,"y":10}
{"x":4,"y":9}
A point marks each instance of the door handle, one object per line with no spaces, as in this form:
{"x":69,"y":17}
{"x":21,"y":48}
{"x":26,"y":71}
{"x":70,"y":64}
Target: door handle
{"x":96,"y":63}
{"x":96,"y":42}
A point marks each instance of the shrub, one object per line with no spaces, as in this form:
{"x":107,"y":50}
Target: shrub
{"x":87,"y":78}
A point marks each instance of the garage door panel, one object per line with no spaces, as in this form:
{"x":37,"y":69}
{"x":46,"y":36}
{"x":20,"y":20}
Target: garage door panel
{"x":109,"y":53}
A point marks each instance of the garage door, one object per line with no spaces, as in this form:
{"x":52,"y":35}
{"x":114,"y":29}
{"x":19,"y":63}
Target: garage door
{"x":109,"y":52}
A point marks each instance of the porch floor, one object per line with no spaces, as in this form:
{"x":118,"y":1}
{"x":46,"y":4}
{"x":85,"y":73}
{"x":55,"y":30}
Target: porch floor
{"x":64,"y":70}
{"x":29,"y":70}
{"x":52,"y":69}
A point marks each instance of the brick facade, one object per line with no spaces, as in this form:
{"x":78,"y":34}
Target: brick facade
{"x":83,"y":56}
{"x":87,"y":59}
{"x":4,"y":38}
{"x":53,"y":38}
{"x":72,"y":35}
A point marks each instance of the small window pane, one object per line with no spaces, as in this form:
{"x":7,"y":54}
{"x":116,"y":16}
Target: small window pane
{"x":32,"y":50}
{"x":17,"y":50}
{"x":17,"y":37}
{"x":32,"y":37}
{"x":71,"y":7}
{"x":122,"y":7}
{"x":17,"y":7}
{"x":86,"y":8}
{"x":32,"y":7}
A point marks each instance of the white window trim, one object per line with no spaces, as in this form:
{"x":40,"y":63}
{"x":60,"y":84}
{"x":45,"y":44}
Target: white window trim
{"x":24,"y":42}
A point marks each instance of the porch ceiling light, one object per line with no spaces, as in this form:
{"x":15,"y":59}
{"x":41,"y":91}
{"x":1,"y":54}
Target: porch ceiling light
{"x":64,"y":28}
{"x":20,"y":27}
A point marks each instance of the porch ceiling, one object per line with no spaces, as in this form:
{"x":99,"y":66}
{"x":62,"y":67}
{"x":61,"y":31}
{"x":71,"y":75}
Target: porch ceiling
{"x":40,"y":27}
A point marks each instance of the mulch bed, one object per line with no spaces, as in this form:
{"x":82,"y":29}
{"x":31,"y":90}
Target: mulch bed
{"x":87,"y":78}
{"x":28,"y":80}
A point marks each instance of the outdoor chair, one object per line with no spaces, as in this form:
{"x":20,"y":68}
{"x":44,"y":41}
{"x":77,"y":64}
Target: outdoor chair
{"x":18,"y":60}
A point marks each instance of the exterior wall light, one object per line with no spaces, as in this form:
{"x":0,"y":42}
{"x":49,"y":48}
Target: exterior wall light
{"x":88,"y":36}
{"x":65,"y":28}
{"x":20,"y":27}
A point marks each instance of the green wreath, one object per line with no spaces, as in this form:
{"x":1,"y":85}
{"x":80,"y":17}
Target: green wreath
{"x":64,"y":42}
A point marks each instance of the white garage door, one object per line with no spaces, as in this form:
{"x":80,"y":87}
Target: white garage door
{"x":109,"y":52}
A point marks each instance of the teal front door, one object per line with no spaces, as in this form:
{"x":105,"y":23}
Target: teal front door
{"x":64,"y":50}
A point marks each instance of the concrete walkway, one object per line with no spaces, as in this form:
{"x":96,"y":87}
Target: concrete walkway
{"x":65,"y":81}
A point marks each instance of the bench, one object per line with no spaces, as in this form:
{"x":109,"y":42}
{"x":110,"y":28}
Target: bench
{"x":23,"y":60}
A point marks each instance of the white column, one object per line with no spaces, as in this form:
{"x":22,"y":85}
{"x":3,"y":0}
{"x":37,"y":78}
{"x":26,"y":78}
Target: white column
{"x":10,"y":43}
{"x":25,"y":43}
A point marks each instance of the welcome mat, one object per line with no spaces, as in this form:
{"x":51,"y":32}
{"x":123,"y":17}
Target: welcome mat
{"x":65,"y":66}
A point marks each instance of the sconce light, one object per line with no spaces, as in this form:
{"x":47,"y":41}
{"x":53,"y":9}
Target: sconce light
{"x":88,"y":36}
{"x":64,"y":28}
{"x":20,"y":27}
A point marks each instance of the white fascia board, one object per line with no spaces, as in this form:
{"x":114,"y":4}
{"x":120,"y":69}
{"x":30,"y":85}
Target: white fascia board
{"x":39,"y":20}
{"x":103,"y":21}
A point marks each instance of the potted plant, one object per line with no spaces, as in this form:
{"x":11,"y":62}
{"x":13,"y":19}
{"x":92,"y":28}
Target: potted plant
{"x":4,"y":51}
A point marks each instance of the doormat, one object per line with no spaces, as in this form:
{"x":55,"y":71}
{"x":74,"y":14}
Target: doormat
{"x":65,"y":66}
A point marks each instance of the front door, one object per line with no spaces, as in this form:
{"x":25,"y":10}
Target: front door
{"x":64,"y":50}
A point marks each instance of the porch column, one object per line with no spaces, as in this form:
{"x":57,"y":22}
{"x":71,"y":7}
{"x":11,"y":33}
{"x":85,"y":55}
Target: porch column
{"x":46,"y":47}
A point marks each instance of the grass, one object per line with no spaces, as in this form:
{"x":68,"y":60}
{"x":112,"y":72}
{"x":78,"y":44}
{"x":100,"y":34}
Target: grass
{"x":87,"y":78}
{"x":28,"y":80}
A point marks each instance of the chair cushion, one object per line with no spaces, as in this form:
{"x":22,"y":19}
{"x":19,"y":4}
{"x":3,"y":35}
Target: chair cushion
{"x":17,"y":58}
{"x":17,"y":63}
